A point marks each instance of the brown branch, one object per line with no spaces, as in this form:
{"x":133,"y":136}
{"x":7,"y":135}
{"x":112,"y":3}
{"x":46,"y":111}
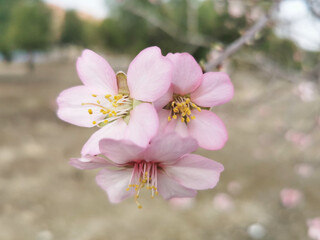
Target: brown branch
{"x":249,"y":35}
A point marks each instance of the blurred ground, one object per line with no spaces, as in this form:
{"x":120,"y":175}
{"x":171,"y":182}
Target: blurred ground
{"x":43,"y":198}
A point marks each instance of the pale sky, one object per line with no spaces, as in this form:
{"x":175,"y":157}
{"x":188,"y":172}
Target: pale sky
{"x":301,"y":26}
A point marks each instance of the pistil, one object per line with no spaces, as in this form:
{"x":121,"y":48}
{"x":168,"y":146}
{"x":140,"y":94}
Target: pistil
{"x":108,"y":107}
{"x":182,"y":106}
{"x":144,"y":175}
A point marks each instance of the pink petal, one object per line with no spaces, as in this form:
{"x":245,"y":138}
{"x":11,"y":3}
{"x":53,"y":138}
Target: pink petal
{"x":96,"y":73}
{"x":71,"y":109}
{"x":195,"y":172}
{"x":149,"y":75}
{"x":143,"y":124}
{"x":164,"y":100}
{"x":115,"y":183}
{"x":121,"y":151}
{"x":169,"y":188}
{"x":89,"y":162}
{"x":169,"y":148}
{"x":114,"y":130}
{"x":187,"y":74}
{"x":175,"y":125}
{"x":208,"y":130}
{"x":164,"y":125}
{"x":215,"y":89}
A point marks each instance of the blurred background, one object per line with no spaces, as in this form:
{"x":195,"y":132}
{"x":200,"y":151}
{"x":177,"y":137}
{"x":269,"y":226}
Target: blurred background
{"x":270,"y":186}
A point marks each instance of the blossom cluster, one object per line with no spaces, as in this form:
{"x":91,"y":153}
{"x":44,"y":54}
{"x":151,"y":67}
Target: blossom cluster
{"x":150,"y":121}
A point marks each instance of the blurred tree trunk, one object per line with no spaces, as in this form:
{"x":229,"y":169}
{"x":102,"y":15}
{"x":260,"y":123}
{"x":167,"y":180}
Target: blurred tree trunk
{"x":30,"y":62}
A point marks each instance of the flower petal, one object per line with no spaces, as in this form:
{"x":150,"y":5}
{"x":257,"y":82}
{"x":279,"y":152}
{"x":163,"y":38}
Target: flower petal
{"x":175,"y":125}
{"x":96,"y":73}
{"x":164,"y":100}
{"x":195,"y":172}
{"x":169,"y":148}
{"x":115,"y":183}
{"x":187,"y":74}
{"x":143,"y":124}
{"x":169,"y":188}
{"x":215,"y":89}
{"x":89,"y":162}
{"x":121,"y":151}
{"x":208,"y":130}
{"x":149,"y":75}
{"x":71,"y":109}
{"x":114,"y":130}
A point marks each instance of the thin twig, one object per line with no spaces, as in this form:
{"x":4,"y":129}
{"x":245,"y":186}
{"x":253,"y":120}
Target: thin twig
{"x":236,"y":45}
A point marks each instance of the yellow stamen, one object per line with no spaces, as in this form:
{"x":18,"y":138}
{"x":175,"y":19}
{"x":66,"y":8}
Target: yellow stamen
{"x":106,"y":121}
{"x":94,"y":122}
{"x":174,"y":116}
{"x":90,"y":111}
{"x":98,"y":101}
{"x":107,"y":96}
{"x":94,"y":95}
{"x":193,"y":117}
{"x":169,"y":118}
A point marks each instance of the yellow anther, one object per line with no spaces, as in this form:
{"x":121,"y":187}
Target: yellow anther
{"x":98,"y":101}
{"x":182,"y":119}
{"x":94,"y":122}
{"x":94,"y":95}
{"x":193,"y":117}
{"x":107,"y":96}
{"x":110,"y":114}
{"x":173,"y":103}
{"x":174,"y":116}
{"x":114,"y":104}
{"x":128,"y":189}
{"x":183,"y":114}
{"x":179,"y":105}
{"x":169,"y":118}
{"x":157,"y":192}
{"x":188,"y":100}
{"x":199,"y":109}
{"x":189,"y":112}
{"x":188,"y":119}
{"x":139,"y":206}
{"x":105,"y":121}
{"x":176,"y":110}
{"x":114,"y":113}
{"x":193,"y":105}
{"x":90,"y":111}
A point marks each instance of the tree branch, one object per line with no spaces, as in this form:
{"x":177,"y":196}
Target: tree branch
{"x":236,"y":45}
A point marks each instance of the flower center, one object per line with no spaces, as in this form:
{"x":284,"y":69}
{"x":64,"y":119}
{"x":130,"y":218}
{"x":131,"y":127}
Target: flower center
{"x":182,"y":106}
{"x":144,"y":175}
{"x":107,"y":108}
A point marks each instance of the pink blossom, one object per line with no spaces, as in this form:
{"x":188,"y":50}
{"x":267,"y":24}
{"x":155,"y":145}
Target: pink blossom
{"x":185,"y":107}
{"x":304,"y":170}
{"x":107,"y":100}
{"x":223,"y":202}
{"x":298,"y":138}
{"x":314,"y":228}
{"x":164,"y":166}
{"x":236,"y":8}
{"x":290,"y":197}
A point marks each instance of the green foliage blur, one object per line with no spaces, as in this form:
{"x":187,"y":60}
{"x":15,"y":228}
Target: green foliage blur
{"x":30,"y":26}
{"x":174,"y":25}
{"x":72,"y":29}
